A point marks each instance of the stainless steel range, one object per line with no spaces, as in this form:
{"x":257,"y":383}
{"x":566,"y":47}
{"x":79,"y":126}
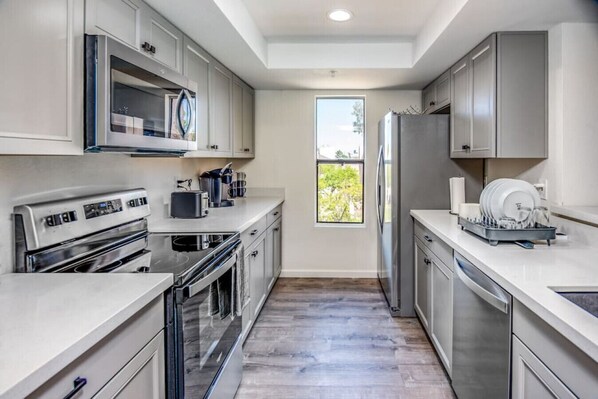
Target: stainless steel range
{"x":108,"y":233}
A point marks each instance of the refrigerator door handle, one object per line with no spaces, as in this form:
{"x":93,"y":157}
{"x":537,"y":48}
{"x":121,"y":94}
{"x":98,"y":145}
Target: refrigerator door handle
{"x":378,"y":189}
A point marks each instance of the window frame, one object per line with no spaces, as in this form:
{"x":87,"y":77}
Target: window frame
{"x":340,"y":162}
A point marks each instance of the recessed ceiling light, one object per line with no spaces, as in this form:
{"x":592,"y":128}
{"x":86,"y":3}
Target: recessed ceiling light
{"x":340,"y":15}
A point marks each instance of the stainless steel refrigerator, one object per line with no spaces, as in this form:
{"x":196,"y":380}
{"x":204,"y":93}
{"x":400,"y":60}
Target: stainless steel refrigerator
{"x":413,"y":172}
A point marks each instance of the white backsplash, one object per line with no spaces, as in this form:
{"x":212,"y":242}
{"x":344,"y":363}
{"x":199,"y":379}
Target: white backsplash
{"x":29,"y":179}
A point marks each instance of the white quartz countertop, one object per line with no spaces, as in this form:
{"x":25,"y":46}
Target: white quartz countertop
{"x":48,"y":320}
{"x":529,"y":274}
{"x":239,"y":217}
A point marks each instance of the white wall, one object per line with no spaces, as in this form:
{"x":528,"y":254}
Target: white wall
{"x":35,"y":178}
{"x":571,"y":169}
{"x":285,"y":158}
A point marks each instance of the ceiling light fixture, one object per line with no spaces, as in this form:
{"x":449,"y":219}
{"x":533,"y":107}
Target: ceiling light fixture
{"x":340,"y":15}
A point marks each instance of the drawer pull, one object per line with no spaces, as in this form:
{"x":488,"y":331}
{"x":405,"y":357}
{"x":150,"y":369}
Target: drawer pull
{"x":254,"y":253}
{"x":277,"y":229}
{"x":275,"y":213}
{"x":78,"y":384}
{"x":427,"y":238}
{"x":254,"y":232}
{"x":427,"y":261}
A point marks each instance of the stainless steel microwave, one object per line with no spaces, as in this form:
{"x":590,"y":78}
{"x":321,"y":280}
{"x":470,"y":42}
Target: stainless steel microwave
{"x":133,"y":104}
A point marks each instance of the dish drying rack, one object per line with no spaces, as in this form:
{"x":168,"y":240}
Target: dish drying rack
{"x":489,"y":230}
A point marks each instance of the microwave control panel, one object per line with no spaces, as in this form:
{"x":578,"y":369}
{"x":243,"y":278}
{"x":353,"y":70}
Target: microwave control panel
{"x":102,"y":208}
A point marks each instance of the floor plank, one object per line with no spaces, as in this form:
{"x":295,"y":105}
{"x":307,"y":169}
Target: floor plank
{"x":334,"y":338}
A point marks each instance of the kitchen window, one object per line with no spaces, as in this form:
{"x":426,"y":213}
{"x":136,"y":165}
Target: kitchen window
{"x":340,"y":159}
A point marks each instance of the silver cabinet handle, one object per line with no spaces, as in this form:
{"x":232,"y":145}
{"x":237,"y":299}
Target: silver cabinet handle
{"x":490,"y":298}
{"x":427,"y":238}
{"x":427,"y":261}
{"x":275,"y":213}
{"x":254,"y":253}
{"x":276,"y":229}
{"x":253,"y":232}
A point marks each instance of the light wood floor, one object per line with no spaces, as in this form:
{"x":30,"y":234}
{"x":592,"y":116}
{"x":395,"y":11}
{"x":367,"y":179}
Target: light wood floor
{"x":334,"y":338}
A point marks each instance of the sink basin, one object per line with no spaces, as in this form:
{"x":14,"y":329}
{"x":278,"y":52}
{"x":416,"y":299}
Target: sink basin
{"x":587,"y":300}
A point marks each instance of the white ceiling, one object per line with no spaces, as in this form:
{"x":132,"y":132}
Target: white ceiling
{"x":281,"y":20}
{"x":284,"y":44}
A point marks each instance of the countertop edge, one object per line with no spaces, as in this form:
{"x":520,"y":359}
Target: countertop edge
{"x":561,"y":326}
{"x":259,"y":215}
{"x":48,"y":370}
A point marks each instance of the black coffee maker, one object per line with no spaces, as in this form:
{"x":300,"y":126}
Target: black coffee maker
{"x":213,"y":182}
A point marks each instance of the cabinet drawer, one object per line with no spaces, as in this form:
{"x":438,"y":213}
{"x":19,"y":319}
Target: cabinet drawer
{"x":274,"y":215}
{"x":441,"y":249}
{"x":102,"y":362}
{"x":253,"y":232}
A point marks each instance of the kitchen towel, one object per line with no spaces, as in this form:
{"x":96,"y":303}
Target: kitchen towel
{"x":457,"y":192}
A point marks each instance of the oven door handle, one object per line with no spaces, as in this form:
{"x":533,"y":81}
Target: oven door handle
{"x":201,"y":284}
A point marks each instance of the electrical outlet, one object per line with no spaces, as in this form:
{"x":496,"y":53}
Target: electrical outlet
{"x":542,"y":188}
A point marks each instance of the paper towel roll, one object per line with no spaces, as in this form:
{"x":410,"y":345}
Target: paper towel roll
{"x":457,"y":189}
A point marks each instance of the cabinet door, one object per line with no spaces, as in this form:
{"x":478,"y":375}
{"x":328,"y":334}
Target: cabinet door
{"x":277,"y":230}
{"x":247,"y":320}
{"x":422,"y":284}
{"x":119,"y":19}
{"x":196,"y":67}
{"x":41,"y":79}
{"x":269,"y":271}
{"x":429,"y":98}
{"x":143,"y":377}
{"x":531,"y":378}
{"x":248,"y":122}
{"x":166,"y":39}
{"x":221,"y":82}
{"x":460,"y":110}
{"x":442,"y":312}
{"x":237,"y":116}
{"x":483,"y":99}
{"x":443,"y":90}
{"x":257,"y":263}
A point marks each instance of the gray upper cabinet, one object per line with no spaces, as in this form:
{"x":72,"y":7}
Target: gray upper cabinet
{"x":437,"y":95}
{"x":482,"y":75}
{"x":221,"y":84}
{"x":42,"y":112}
{"x":196,"y":67}
{"x":243,"y":111}
{"x":120,"y":19}
{"x":499,"y":98}
{"x":460,"y":109}
{"x":161,"y":40}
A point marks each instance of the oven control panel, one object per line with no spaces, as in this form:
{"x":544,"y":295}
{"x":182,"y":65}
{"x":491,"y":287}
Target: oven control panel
{"x":102,"y":208}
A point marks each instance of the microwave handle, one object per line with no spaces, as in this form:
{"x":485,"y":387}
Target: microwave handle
{"x":184,"y":93}
{"x":201,"y":284}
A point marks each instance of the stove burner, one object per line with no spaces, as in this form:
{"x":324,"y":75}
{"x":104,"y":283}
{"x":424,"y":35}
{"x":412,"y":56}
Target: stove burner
{"x":192,"y":243}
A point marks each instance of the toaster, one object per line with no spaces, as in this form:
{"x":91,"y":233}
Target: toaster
{"x":189,"y":204}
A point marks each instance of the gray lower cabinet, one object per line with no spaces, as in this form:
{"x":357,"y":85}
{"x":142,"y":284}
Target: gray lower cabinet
{"x":434,"y":291}
{"x":531,"y":378}
{"x":423,"y":284}
{"x":442,"y":311}
{"x":263,"y":262}
{"x":499,"y":98}
{"x":545,"y":364}
{"x":128,"y":363}
{"x":42,"y":76}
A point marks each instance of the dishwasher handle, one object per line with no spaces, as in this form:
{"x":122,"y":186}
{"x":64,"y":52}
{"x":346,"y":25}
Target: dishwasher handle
{"x":490,"y":298}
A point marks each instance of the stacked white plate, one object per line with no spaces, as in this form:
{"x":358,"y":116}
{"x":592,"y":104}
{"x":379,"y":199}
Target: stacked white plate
{"x":509,"y":198}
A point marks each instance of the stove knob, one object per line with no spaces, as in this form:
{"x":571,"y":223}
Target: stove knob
{"x":53,"y":220}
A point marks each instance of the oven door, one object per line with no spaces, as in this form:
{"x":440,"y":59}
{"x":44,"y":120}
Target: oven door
{"x":134,"y":104}
{"x":206,"y":329}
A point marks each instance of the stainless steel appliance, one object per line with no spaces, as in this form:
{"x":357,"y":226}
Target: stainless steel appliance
{"x":189,"y":204}
{"x":412,"y":173}
{"x":481,"y":334}
{"x":108,"y":233}
{"x":133,"y":104}
{"x":214,"y":182}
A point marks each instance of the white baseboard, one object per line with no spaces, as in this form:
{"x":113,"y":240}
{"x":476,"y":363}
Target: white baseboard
{"x":329,"y":273}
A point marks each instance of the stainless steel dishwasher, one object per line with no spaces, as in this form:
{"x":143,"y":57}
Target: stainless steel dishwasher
{"x":481,"y":334}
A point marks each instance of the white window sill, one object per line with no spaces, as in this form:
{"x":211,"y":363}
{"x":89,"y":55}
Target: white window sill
{"x":340,"y":225}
